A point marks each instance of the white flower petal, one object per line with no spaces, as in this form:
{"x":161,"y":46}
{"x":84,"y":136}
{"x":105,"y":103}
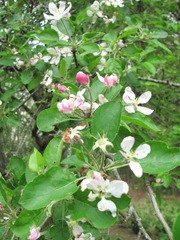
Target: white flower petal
{"x":77,"y":230}
{"x":84,"y":183}
{"x":128,"y":96}
{"x":117,"y":188}
{"x":144,"y":98}
{"x":127,"y":144}
{"x":136,"y":168}
{"x":92,"y":196}
{"x":52,"y":8}
{"x":48,"y":17}
{"x":104,"y":205}
{"x":130,"y":109}
{"x":142,"y":151}
{"x":100,"y":77}
{"x":80,"y":127}
{"x":145,"y":110}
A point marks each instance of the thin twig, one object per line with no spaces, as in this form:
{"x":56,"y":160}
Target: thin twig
{"x":142,"y":230}
{"x":157,"y":210}
{"x":166,"y":82}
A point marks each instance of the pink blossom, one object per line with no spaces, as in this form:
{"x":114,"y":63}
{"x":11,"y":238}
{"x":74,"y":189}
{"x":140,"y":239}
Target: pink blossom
{"x":109,"y":81}
{"x":82,"y":78}
{"x":34,"y":233}
{"x":62,"y":88}
{"x":66,"y":106}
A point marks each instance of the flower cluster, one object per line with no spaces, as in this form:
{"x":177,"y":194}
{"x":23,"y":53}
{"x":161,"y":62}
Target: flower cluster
{"x":103,"y":188}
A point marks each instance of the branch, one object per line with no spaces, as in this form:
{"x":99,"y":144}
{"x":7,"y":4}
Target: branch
{"x":166,"y":82}
{"x":132,"y":210}
{"x":157,"y":210}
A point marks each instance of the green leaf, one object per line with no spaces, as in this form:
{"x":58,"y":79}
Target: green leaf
{"x":161,"y":159}
{"x":66,"y":27}
{"x":106,"y":120}
{"x":60,"y":231}
{"x":36,"y":162}
{"x":156,"y":43}
{"x":82,"y":208}
{"x":56,"y":184}
{"x":97,"y":88}
{"x":176,"y":227}
{"x":90,"y":48}
{"x":113,"y":66}
{"x":150,"y":67}
{"x":160,"y":34}
{"x":53,"y":152}
{"x":50,"y":117}
{"x":73,"y":160}
{"x":7,"y":61}
{"x":26,"y":77}
{"x":46,"y":36}
{"x":3,"y":196}
{"x":12,"y":121}
{"x":62,"y":67}
{"x":139,"y":119}
{"x":113,"y":92}
{"x":17,"y":166}
{"x":129,"y":31}
{"x":22,"y":224}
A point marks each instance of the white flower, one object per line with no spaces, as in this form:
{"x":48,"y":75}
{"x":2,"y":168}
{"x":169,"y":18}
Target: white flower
{"x":56,"y":55}
{"x":103,"y":188}
{"x":102,"y":143}
{"x":94,"y":11}
{"x":58,"y":13}
{"x":19,"y":63}
{"x":141,"y":152}
{"x":47,"y":80}
{"x":133,"y":102}
{"x":73,"y":133}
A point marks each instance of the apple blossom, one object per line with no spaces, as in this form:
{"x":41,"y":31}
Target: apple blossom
{"x":66,"y":106}
{"x":71,"y":134}
{"x":103,"y":188}
{"x":102,"y":143}
{"x":47,"y":80}
{"x":141,"y":152}
{"x":133,"y":102}
{"x":82,"y":78}
{"x":35,"y":58}
{"x":95,"y":11}
{"x":58,"y":13}
{"x":34,"y":233}
{"x":55,"y":58}
{"x":109,"y":81}
{"x":19,"y":63}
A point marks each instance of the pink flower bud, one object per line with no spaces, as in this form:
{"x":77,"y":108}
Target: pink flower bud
{"x":82,"y":78}
{"x":66,"y":106}
{"x":110,"y":80}
{"x":62,"y":88}
{"x":34,"y":233}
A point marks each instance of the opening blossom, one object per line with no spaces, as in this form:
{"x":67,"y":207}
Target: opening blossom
{"x":109,"y":81}
{"x":34,"y":233}
{"x":133,"y":102}
{"x":58,"y":13}
{"x":102,"y":143}
{"x":141,"y":152}
{"x":103,"y":188}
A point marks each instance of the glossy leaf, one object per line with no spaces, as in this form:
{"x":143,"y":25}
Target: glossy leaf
{"x":56,"y":184}
{"x":36,"y":162}
{"x":53,"y":152}
{"x":17,"y":166}
{"x":50,"y":117}
{"x":139,"y":119}
{"x":161,"y":159}
{"x":176,"y":227}
{"x":106,"y":120}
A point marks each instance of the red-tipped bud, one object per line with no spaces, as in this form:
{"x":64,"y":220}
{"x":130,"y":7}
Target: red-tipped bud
{"x":82,"y":78}
{"x":62,"y":88}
